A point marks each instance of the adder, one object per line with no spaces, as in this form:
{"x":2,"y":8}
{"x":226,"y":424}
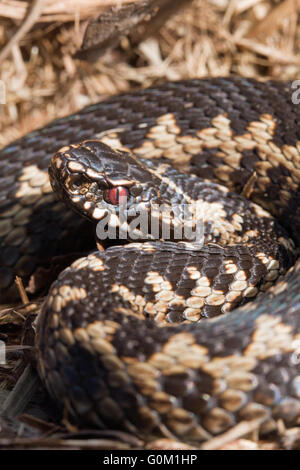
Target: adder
{"x":162,"y":334}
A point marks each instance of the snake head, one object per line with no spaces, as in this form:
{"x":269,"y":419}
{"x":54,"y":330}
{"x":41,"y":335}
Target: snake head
{"x":95,"y":179}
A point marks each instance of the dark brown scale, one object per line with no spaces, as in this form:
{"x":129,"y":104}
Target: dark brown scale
{"x":223,"y":338}
{"x":100,"y":395}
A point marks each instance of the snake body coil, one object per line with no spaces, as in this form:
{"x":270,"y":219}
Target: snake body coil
{"x":107,"y":345}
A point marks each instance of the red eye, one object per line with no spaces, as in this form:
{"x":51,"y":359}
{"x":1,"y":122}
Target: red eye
{"x":116,"y":195}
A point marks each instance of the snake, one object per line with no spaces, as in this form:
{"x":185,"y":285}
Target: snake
{"x":187,"y":334}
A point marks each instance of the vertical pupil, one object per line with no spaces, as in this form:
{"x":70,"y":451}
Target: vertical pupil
{"x":117,"y":195}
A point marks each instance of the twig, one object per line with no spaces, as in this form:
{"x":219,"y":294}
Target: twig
{"x":56,"y":443}
{"x":270,"y":23}
{"x":34,"y":12}
{"x":275,"y":55}
{"x":22,"y":394}
{"x":245,"y":427}
{"x":21,"y":290}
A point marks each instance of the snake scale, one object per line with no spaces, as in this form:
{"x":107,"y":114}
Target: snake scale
{"x":130,"y":337}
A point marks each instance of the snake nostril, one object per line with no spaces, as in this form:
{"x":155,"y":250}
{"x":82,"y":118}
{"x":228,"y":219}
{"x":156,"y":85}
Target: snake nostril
{"x":77,"y":184}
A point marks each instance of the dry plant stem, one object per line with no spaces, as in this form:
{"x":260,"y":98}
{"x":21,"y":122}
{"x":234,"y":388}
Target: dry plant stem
{"x":47,"y":443}
{"x":58,"y":10}
{"x":168,"y":444}
{"x":270,"y":23}
{"x":34,"y":12}
{"x":241,"y":429}
{"x":21,"y":394}
{"x":21,"y":290}
{"x":39,"y":423}
{"x":274,"y":55}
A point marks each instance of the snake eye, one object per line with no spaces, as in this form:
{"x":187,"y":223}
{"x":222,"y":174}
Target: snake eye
{"x":116,"y":195}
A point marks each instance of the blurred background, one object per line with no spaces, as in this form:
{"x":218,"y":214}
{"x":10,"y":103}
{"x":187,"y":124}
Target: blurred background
{"x":43,"y":79}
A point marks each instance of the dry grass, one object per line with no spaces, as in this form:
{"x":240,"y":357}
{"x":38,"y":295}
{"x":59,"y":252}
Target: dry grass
{"x":253,"y":38}
{"x":213,"y":37}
